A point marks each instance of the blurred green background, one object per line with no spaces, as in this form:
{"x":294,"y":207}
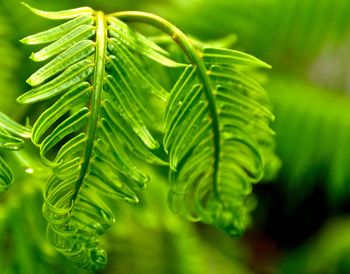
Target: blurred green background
{"x":302,"y":220}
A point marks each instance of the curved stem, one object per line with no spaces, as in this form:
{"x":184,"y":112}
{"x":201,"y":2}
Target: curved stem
{"x":195,"y":58}
{"x":100,"y":56}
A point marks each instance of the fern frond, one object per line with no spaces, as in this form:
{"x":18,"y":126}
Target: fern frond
{"x":10,"y":133}
{"x":98,"y":123}
{"x":215,"y":121}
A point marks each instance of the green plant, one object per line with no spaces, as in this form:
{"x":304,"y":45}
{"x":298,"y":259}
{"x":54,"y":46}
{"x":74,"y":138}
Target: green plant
{"x":107,"y":109}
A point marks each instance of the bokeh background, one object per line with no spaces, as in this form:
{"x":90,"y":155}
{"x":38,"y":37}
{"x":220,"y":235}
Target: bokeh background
{"x":301,"y":223}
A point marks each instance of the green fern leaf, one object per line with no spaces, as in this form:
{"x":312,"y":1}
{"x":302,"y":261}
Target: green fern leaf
{"x":98,"y":123}
{"x":216,"y":119}
{"x":10,"y":133}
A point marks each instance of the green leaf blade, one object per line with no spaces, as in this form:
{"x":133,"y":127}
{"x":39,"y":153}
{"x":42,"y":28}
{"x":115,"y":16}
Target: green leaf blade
{"x":80,"y":33}
{"x":70,"y":77}
{"x":57,"y":32}
{"x":60,"y":15}
{"x":76,"y":53}
{"x":232,"y":57}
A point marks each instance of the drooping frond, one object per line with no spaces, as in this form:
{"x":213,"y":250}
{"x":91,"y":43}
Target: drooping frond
{"x":98,"y":123}
{"x":10,"y":133}
{"x":216,"y":120}
{"x":217,"y":131}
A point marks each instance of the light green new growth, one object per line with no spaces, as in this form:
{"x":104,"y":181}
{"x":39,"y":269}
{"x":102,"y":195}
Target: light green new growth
{"x":216,"y":126}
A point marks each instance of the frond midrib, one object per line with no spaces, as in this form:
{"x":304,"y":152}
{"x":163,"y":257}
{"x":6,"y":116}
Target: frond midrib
{"x":95,"y":102}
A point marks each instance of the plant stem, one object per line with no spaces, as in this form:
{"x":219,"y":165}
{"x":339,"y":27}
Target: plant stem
{"x":95,"y":100}
{"x":195,"y":58}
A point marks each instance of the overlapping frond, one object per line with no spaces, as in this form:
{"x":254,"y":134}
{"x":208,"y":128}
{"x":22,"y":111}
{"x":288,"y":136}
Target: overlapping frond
{"x":214,"y":124}
{"x":96,"y":125}
{"x":11,"y":134}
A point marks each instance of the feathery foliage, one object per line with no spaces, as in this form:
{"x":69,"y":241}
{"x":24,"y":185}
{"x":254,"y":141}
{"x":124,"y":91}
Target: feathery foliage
{"x":101,"y":120}
{"x":312,"y":126}
{"x":216,"y":125}
{"x":97,"y":123}
{"x":223,"y":116}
